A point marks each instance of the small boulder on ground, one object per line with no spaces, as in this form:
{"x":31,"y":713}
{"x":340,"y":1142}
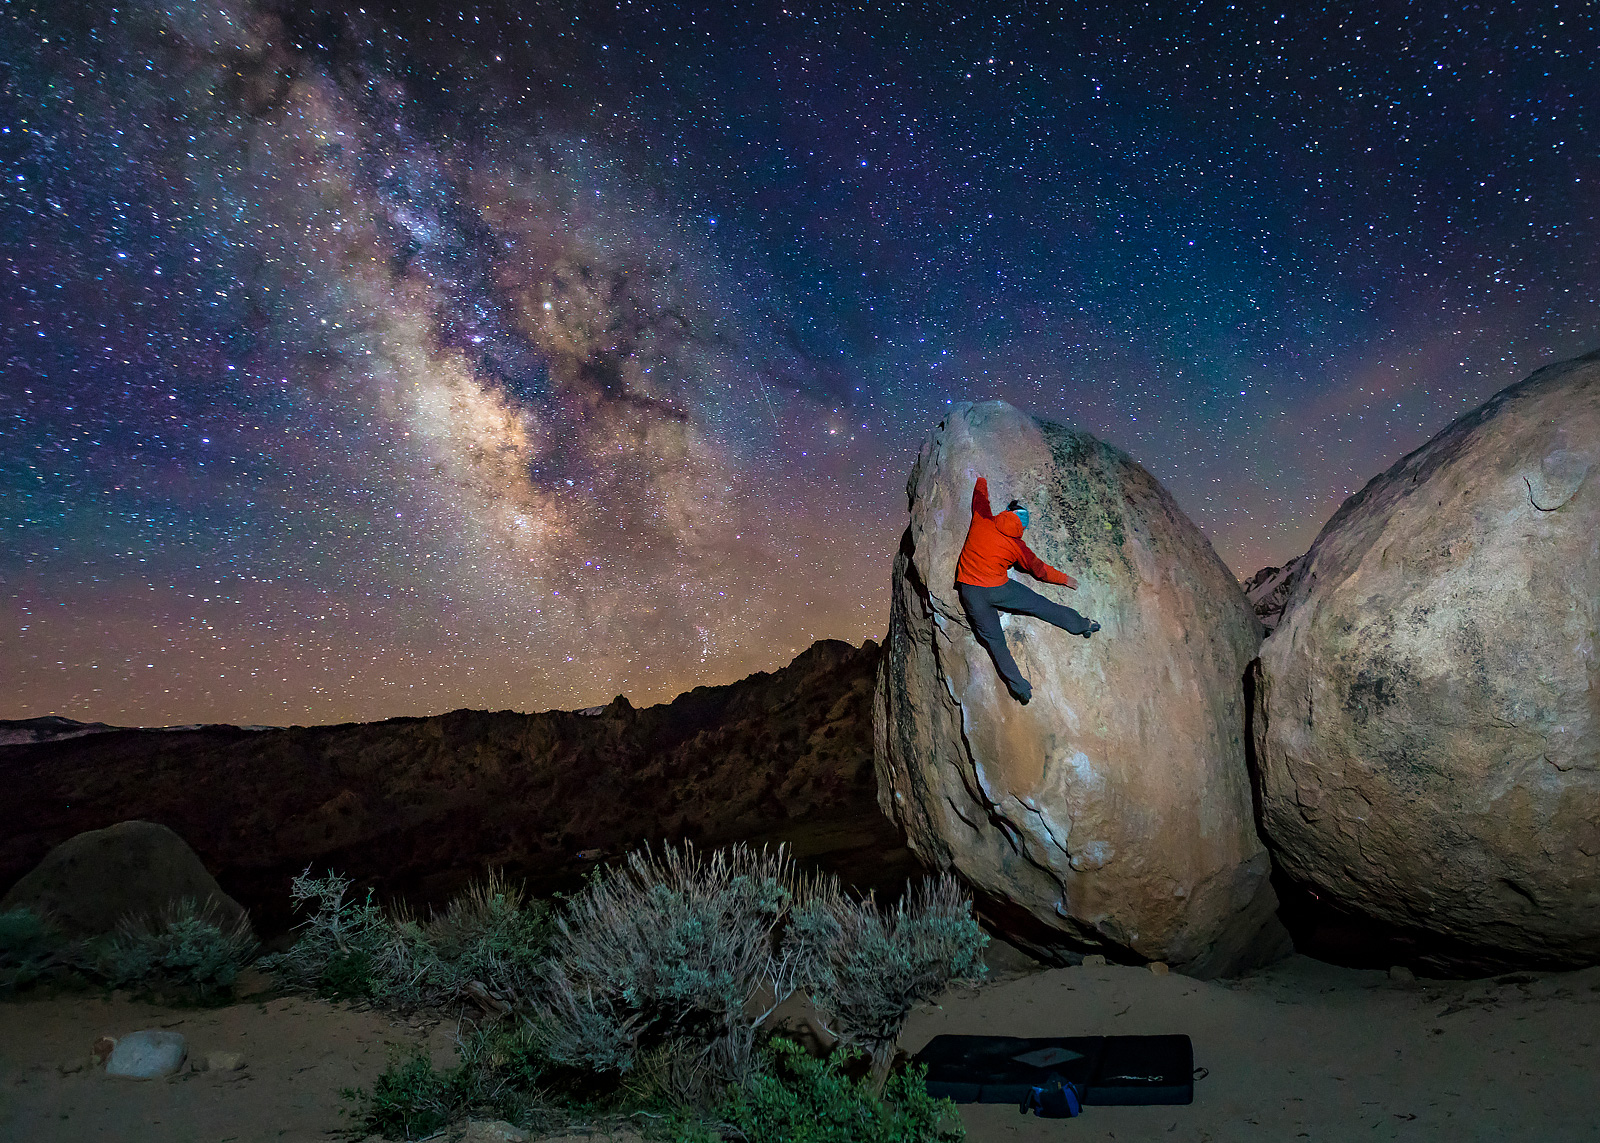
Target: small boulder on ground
{"x":218,"y":1062}
{"x":90,"y":882}
{"x":150,"y":1054}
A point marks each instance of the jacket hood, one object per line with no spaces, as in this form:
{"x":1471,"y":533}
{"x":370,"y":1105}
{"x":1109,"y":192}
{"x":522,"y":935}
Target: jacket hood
{"x":1009,"y":525}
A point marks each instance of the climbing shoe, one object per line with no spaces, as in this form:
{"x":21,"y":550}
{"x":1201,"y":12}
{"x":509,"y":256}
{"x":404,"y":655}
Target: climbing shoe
{"x":1093,"y":627}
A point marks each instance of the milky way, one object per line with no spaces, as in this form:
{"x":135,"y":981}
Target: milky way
{"x":363,"y":361}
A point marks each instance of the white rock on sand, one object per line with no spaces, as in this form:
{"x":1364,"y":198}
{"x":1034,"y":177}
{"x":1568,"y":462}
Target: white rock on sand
{"x":148,"y":1054}
{"x":300,"y":1054}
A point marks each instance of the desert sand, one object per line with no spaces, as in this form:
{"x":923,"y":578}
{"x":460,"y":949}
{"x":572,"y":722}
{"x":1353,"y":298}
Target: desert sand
{"x":1300,"y":1051}
{"x":1308,"y":1051}
{"x":298,"y":1053}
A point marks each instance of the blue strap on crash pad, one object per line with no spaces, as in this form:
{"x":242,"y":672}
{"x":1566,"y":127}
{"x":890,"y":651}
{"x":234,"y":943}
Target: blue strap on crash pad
{"x":1056,"y":1099}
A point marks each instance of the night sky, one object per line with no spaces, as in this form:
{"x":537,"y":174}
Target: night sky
{"x":363,"y":361}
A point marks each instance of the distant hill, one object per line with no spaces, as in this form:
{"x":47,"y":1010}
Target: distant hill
{"x":50,"y":728}
{"x":418,"y":806}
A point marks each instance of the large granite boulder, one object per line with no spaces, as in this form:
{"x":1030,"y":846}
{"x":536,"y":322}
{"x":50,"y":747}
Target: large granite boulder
{"x":1428,"y":710}
{"x":1113,"y":812}
{"x":90,"y":882}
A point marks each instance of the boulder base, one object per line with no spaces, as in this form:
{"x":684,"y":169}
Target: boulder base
{"x":1113,"y":813}
{"x":1428,"y":709}
{"x":90,"y":882}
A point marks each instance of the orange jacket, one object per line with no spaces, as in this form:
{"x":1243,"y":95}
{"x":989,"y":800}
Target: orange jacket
{"x":994,"y":546}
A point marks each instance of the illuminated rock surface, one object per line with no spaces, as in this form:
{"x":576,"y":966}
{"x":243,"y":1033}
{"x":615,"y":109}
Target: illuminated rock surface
{"x":1113,"y":812}
{"x":1428,"y":709}
{"x":151,"y":1054}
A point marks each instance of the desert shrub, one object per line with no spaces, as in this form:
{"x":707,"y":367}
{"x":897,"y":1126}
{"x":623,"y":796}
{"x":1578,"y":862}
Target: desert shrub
{"x":187,"y":946}
{"x":490,"y":943}
{"x":498,"y":1072}
{"x":502,"y":1070}
{"x":409,"y":1100}
{"x":648,"y":990}
{"x":796,"y":1099}
{"x":487,"y":946}
{"x":340,"y":944}
{"x":865,"y":968}
{"x":32,"y":950}
{"x":672,"y":950}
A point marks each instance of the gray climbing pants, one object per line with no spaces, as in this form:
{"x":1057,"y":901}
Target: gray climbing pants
{"x":983,"y":606}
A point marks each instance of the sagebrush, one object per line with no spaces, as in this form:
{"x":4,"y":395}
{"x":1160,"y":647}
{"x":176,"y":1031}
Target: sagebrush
{"x":676,"y":952}
{"x":793,"y":1098}
{"x":32,"y":950}
{"x":187,"y":948}
{"x":487,"y":947}
{"x":649,"y":988}
{"x":187,"y":945}
{"x":409,"y":1100}
{"x":866,"y":968}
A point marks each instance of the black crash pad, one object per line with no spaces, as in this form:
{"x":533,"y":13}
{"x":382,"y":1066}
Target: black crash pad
{"x":1105,"y":1069}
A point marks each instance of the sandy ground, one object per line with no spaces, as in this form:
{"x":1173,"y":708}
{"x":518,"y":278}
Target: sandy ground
{"x":1306,"y":1051}
{"x":1303,"y":1051}
{"x":298,"y":1054}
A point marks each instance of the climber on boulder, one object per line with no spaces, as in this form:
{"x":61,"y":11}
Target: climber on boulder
{"x":994,"y":546}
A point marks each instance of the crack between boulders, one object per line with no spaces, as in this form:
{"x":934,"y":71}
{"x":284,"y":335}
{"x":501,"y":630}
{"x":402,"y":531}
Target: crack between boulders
{"x":979,"y":795}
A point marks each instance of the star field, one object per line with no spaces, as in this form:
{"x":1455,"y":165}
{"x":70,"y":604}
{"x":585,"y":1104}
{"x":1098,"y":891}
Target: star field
{"x":385,"y":359}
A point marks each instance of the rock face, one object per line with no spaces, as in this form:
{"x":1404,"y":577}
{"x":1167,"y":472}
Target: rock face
{"x":90,"y":882}
{"x":1427,"y":714}
{"x":417,"y":807}
{"x":1268,"y":592}
{"x":1113,"y":812}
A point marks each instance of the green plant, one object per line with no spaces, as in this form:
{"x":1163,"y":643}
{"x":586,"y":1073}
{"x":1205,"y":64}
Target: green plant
{"x":796,"y":1099}
{"x":865,"y":968}
{"x":648,"y":990}
{"x":409,"y":1100}
{"x":185,"y":945}
{"x":487,"y":946}
{"x":31,"y":949}
{"x":490,"y":944}
{"x":670,"y":948}
{"x":341,"y":942}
